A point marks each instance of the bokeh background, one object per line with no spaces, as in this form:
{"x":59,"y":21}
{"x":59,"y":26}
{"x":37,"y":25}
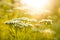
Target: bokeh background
{"x":19,"y":22}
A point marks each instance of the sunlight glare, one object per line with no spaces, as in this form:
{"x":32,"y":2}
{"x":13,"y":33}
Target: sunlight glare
{"x":35,"y":6}
{"x":35,"y":3}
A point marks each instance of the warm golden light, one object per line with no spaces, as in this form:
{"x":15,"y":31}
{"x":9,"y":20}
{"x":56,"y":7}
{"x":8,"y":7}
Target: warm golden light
{"x":35,"y":3}
{"x":36,"y":6}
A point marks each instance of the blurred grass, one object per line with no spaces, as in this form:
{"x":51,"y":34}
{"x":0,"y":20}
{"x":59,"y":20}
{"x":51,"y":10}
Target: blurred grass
{"x":9,"y":32}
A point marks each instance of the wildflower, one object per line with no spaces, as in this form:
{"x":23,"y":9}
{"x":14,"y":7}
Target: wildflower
{"x":11,"y":22}
{"x":30,"y":25}
{"x":48,"y":31}
{"x":47,"y":21}
{"x":24,"y":18}
{"x":21,"y":25}
{"x":26,"y":24}
{"x":17,"y":19}
{"x":8,"y":22}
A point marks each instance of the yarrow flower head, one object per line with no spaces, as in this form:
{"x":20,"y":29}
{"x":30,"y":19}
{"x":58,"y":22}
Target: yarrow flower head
{"x":48,"y":31}
{"x":19,"y":22}
{"x":11,"y":22}
{"x":47,"y":21}
{"x":22,"y":19}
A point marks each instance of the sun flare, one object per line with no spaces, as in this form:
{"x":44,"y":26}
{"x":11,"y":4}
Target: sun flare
{"x":36,"y":6}
{"x":35,"y":3}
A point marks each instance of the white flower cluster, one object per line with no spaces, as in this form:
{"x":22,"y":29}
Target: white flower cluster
{"x":11,"y":22}
{"x":21,"y":22}
{"x":26,"y":22}
{"x":21,"y":19}
{"x":46,"y":21}
{"x":48,"y":31}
